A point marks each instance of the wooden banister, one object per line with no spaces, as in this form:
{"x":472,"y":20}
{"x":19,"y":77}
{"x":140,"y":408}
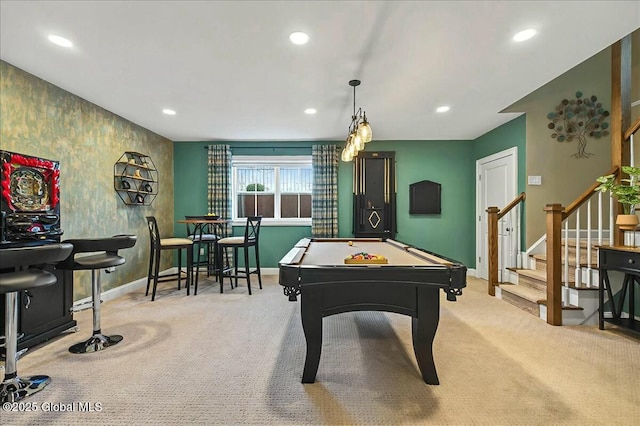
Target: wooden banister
{"x":554,"y":263}
{"x":493,"y":215}
{"x":586,"y":195}
{"x":634,"y":128}
{"x":512,"y":204}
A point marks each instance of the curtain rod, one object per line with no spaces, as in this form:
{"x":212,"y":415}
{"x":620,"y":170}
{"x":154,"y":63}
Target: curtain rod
{"x":267,"y":147}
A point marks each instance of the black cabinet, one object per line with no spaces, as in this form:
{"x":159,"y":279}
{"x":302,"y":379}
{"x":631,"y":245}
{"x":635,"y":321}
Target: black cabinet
{"x":43,"y":312}
{"x":374,"y":208}
{"x":627,"y":261}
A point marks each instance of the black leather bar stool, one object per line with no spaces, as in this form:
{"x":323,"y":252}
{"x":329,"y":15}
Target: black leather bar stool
{"x":106,"y":256}
{"x":23,"y":275}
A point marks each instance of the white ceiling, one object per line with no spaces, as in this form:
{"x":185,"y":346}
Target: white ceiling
{"x":230,"y":72}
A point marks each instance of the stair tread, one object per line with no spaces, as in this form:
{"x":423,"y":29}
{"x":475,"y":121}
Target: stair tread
{"x":533,"y":273}
{"x":572,"y":260}
{"x":528,"y":293}
{"x":533,"y":295}
{"x":537,"y":275}
{"x":564,"y":307}
{"x":583,"y":241}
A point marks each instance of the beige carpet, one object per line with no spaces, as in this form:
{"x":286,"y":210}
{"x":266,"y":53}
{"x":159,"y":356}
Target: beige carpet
{"x":234,"y":359}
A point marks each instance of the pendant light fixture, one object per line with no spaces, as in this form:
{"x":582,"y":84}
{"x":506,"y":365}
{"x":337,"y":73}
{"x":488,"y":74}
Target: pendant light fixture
{"x":359,"y":130}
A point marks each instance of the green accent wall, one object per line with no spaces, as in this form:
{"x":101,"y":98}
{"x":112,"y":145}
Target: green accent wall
{"x":509,"y":135}
{"x":446,"y":234}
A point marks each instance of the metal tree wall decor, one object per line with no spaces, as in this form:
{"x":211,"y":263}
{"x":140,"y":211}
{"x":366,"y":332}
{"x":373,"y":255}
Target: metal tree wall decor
{"x":576,"y":119}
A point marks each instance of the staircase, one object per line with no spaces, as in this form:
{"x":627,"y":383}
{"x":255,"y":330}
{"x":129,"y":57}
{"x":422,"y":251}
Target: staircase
{"x":567,"y":293}
{"x":579,"y":301}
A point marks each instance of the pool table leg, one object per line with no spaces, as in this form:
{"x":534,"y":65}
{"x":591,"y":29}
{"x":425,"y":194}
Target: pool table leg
{"x":311,"y":309}
{"x":424,"y":327}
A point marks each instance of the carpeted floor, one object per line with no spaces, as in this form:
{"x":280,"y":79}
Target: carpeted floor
{"x":232,"y":359}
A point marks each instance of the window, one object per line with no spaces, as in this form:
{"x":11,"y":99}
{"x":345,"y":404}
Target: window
{"x":278,"y":188}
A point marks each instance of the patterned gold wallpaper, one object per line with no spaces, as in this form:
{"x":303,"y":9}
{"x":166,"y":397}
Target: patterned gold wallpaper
{"x":38,"y":118}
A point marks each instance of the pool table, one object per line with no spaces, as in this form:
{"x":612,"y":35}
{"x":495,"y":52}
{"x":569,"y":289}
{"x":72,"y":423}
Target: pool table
{"x":409,"y":284}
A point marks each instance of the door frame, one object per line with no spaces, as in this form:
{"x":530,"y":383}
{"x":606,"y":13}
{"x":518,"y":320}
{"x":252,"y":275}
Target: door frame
{"x":512,"y":155}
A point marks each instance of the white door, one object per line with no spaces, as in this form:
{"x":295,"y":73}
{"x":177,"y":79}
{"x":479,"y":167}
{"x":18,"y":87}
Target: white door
{"x":497,"y":181}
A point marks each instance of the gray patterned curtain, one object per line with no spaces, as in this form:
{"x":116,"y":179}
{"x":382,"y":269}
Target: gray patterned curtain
{"x":219,"y":182}
{"x":324,"y":209}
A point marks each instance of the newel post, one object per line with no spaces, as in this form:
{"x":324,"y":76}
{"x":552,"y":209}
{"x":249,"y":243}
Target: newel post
{"x":554,"y":263}
{"x":492,"y":238}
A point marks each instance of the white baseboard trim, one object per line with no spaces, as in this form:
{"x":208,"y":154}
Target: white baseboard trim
{"x":141,"y":283}
{"x":119,"y":291}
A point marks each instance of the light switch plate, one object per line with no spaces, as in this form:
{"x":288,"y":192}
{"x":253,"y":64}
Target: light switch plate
{"x":534,"y":180}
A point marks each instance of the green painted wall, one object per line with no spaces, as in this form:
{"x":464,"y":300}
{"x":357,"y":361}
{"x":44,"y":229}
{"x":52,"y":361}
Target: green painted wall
{"x":509,"y":135}
{"x":38,"y":118}
{"x":190,"y":170}
{"x":446,"y":234}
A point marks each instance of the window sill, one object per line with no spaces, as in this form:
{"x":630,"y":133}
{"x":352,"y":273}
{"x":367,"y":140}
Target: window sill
{"x":275,"y":222}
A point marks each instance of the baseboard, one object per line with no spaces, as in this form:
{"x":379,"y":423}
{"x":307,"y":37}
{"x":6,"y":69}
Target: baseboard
{"x":141,"y":283}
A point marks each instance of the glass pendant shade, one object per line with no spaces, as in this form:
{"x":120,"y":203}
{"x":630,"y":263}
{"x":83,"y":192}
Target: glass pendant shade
{"x":364,"y":130}
{"x":357,"y":142}
{"x":352,"y":150}
{"x":346,"y":157}
{"x":351,"y":144}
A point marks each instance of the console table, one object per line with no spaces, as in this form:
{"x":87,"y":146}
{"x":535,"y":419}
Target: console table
{"x":625,"y":260}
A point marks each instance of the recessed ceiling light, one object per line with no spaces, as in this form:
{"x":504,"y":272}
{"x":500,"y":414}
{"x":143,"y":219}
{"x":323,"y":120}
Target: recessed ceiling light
{"x":524,"y":35}
{"x":299,"y":37}
{"x":169,"y":111}
{"x":310,"y":111}
{"x":443,"y":109}
{"x":60,"y":41}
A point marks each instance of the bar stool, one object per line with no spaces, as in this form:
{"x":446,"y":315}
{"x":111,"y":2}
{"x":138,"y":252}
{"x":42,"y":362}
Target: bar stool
{"x":157,"y":244}
{"x":202,"y":233}
{"x":250,"y":239}
{"x":24,"y":275}
{"x":106,"y":256}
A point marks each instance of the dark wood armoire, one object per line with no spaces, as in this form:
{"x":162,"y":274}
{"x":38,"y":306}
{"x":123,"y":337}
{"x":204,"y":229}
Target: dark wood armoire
{"x":374,"y":189}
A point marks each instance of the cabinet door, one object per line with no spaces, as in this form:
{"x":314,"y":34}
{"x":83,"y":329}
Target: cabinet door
{"x":375,"y":201}
{"x":48,"y":312}
{"x":46,"y":307}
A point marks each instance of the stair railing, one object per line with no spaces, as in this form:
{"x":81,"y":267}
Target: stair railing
{"x":558,"y":277}
{"x":494,"y":215}
{"x":558,"y":223}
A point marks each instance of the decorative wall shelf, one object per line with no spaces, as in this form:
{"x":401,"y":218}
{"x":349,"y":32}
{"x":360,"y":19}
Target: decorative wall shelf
{"x":135,"y":179}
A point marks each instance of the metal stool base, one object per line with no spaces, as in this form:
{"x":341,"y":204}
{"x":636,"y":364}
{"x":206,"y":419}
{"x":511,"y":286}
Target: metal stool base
{"x":18,"y":388}
{"x":96,"y":343}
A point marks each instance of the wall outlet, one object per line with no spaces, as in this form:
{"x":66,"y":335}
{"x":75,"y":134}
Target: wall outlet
{"x":202,"y":251}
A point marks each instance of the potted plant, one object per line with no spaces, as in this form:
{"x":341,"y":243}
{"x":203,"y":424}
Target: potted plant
{"x":627,"y":192}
